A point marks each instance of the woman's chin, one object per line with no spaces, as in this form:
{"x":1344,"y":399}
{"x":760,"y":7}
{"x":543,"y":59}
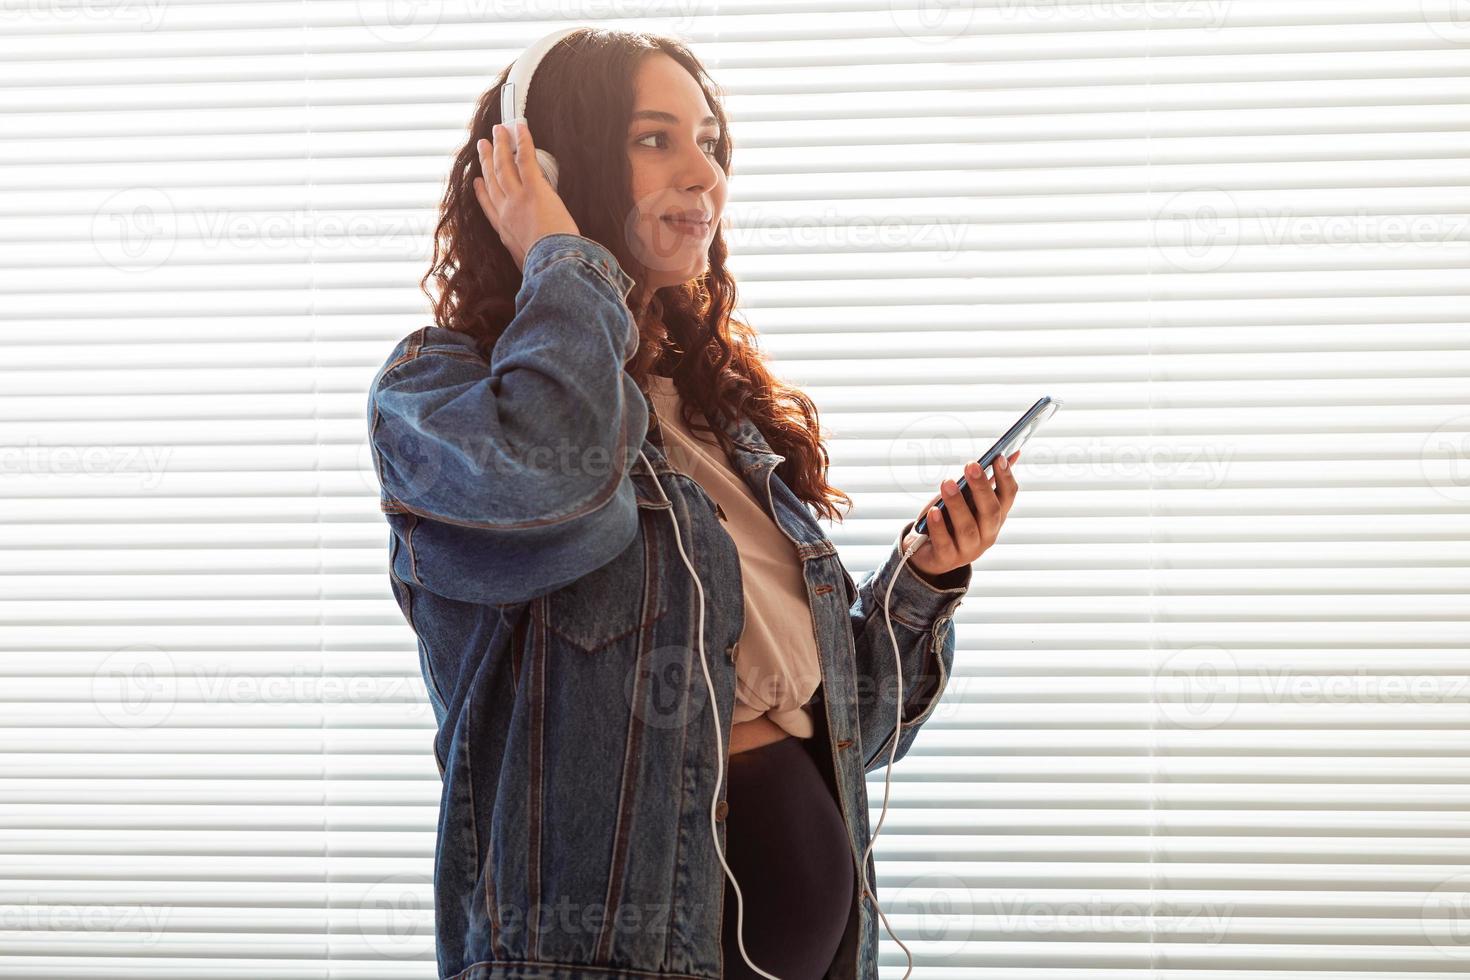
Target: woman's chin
{"x":695,"y":270}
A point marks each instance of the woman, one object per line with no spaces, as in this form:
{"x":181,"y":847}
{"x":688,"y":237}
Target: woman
{"x":544,"y":450}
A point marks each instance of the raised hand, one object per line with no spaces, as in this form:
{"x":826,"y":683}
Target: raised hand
{"x":520,"y":204}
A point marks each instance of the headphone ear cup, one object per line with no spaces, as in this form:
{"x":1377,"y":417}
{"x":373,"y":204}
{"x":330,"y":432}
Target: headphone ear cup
{"x":549,"y":168}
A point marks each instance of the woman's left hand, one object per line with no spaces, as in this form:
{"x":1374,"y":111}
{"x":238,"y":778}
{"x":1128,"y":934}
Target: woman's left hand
{"x":975,"y":528}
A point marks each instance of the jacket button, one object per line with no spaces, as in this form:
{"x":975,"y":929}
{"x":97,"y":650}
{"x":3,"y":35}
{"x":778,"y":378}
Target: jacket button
{"x":721,"y":809}
{"x":844,"y":743}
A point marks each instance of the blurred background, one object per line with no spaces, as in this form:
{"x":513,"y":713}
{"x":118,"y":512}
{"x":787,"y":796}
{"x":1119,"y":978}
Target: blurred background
{"x":1210,"y":712}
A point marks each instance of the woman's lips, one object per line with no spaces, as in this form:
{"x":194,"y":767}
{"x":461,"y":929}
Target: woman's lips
{"x":686,"y":226}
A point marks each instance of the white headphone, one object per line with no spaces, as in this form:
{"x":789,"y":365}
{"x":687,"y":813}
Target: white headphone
{"x":518,"y":85}
{"x":513,"y":107}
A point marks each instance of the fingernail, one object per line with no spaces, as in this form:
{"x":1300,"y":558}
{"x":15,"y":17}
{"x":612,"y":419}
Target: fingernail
{"x":1001,"y":462}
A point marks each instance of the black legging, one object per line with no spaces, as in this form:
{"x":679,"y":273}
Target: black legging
{"x":787,"y":846}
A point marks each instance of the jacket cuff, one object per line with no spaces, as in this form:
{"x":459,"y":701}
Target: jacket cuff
{"x":560,"y":245}
{"x":915,"y":601}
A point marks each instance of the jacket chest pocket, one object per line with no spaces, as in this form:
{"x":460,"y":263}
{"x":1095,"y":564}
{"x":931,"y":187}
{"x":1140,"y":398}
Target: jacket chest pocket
{"x":611,"y":605}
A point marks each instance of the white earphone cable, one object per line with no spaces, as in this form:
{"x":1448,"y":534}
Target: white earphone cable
{"x":720,"y":742}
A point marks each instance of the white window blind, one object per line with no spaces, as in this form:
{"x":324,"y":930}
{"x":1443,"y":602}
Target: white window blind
{"x":1210,"y":713}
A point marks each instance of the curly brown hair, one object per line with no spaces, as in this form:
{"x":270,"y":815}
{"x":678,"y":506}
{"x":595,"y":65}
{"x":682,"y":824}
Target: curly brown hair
{"x":578,"y":110}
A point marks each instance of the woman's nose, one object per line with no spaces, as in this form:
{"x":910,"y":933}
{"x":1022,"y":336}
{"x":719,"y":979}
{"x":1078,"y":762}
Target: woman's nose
{"x":701,"y":172}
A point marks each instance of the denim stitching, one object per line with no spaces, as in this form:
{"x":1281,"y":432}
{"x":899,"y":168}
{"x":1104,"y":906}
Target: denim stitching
{"x":537,"y":696}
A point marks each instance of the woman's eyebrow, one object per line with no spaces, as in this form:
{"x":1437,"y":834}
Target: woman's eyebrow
{"x":671,"y":119}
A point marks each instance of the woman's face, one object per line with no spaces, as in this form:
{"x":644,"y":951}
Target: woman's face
{"x":671,"y":152}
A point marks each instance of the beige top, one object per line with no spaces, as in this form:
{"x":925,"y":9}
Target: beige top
{"x":776,"y":669}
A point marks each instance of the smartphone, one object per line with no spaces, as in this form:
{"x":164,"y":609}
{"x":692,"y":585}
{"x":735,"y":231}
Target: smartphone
{"x":1014,"y":439}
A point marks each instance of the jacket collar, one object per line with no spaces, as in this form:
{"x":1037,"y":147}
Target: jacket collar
{"x":751,"y":447}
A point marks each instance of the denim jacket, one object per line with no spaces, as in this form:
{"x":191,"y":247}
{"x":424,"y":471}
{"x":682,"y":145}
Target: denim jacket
{"x":533,"y":556}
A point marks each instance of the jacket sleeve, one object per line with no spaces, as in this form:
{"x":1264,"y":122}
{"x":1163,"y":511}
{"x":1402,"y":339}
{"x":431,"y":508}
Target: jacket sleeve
{"x":922,"y":614}
{"x":509,"y":478}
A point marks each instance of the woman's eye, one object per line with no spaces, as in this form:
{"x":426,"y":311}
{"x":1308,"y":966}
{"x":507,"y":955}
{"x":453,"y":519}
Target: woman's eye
{"x":713,"y":141}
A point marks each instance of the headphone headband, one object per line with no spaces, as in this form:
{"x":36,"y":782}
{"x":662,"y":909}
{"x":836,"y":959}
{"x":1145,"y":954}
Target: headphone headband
{"x":518,"y":82}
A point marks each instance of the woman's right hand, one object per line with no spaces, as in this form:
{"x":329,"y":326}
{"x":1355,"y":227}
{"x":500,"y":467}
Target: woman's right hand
{"x":514,"y":194}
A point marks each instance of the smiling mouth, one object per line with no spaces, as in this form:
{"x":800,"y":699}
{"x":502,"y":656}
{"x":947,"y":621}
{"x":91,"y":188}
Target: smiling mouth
{"x":684,"y":224}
